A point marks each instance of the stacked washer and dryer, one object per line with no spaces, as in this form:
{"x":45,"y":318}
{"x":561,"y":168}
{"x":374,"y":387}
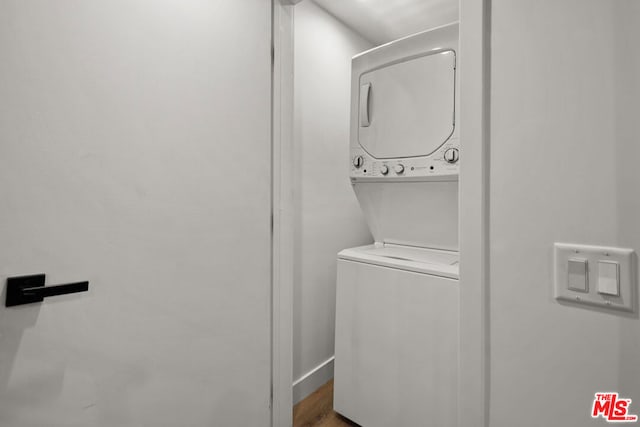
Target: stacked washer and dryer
{"x":397,"y":301}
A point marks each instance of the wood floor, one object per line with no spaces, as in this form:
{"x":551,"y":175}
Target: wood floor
{"x":317,"y":410}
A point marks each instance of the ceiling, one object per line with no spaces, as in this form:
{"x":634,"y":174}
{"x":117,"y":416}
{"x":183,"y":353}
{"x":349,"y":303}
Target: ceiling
{"x":381,"y":21}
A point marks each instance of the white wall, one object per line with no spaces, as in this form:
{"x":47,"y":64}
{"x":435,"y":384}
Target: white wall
{"x":135,"y":153}
{"x":328,"y":216}
{"x":565,"y":142}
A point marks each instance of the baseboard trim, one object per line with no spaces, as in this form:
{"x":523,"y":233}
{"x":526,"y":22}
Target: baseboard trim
{"x":312,"y":380}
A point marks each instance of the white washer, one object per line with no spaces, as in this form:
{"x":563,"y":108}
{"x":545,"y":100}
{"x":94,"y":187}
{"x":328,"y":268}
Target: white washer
{"x":397,"y":301}
{"x":396,"y":336}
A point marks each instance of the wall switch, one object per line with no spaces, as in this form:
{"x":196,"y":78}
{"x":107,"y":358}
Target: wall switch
{"x":610,"y":271}
{"x":577,"y":279}
{"x":608,"y":280}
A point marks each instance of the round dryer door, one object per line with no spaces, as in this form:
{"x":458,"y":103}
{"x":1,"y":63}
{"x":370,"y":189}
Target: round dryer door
{"x":407,"y":107}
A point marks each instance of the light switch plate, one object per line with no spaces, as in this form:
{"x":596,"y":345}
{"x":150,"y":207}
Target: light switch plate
{"x":593,"y":255}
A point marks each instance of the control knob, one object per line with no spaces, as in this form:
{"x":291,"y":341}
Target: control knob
{"x":358,"y":161}
{"x":384,"y":169}
{"x":399,"y":168}
{"x":451,"y":155}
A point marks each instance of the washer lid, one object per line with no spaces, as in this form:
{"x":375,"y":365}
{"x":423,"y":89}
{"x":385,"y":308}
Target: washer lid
{"x":419,"y":260}
{"x":407,"y":108}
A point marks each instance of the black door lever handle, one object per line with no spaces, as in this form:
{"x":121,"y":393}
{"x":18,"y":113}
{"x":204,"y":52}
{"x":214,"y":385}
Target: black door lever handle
{"x":29,"y":289}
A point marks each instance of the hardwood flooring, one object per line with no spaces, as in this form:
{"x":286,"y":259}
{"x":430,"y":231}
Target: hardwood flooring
{"x":317,"y":410}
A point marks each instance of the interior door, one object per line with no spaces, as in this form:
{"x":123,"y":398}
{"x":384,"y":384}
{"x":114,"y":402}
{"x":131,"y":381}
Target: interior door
{"x":134,"y":146}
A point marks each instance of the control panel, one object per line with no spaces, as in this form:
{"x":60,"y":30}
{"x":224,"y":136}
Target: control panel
{"x":441,"y":164}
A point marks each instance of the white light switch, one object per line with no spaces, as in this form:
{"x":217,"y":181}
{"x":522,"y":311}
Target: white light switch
{"x":599,"y":276}
{"x":577,"y":275}
{"x":608,"y":278}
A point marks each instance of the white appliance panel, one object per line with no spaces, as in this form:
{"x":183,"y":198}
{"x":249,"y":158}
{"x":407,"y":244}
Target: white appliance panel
{"x":406,"y":108}
{"x":403,"y":109}
{"x":419,"y":260}
{"x":396,"y":347}
{"x":421,"y":213}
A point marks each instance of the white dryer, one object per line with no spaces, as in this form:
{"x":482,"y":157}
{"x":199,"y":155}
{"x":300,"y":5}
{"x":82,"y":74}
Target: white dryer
{"x":396,"y":348}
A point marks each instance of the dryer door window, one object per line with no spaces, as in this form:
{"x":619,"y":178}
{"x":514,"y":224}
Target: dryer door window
{"x":406,"y":108}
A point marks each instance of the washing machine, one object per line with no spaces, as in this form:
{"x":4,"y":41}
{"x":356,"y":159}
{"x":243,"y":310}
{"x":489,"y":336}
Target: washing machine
{"x":397,"y":301}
